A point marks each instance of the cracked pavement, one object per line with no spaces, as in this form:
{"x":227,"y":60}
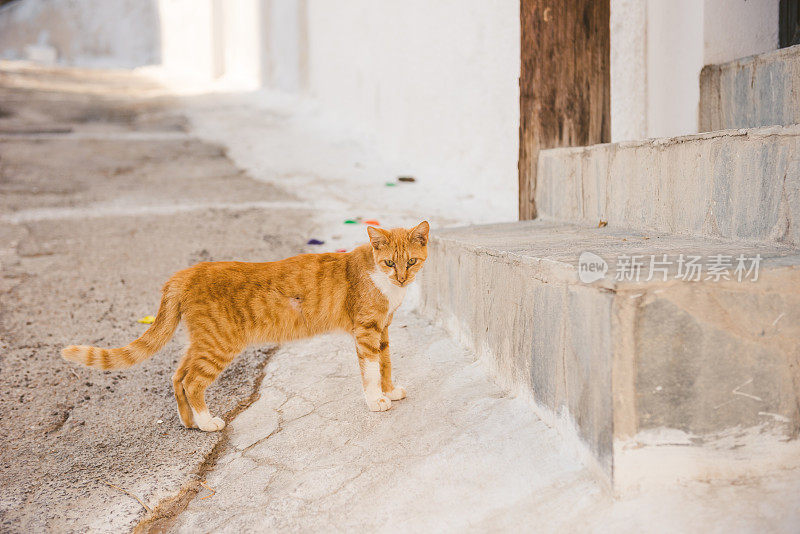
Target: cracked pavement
{"x":308,"y":455}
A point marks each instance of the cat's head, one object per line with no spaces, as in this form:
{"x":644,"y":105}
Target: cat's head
{"x":399,"y":253}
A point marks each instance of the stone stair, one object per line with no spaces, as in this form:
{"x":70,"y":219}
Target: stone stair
{"x":736,"y":184}
{"x":658,"y":375}
{"x":762,"y":90}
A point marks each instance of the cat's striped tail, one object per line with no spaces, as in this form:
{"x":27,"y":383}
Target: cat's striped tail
{"x":149,"y":343}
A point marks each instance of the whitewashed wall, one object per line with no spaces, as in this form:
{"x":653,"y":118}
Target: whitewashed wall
{"x":436,"y":83}
{"x":628,"y":69}
{"x":220,"y":41}
{"x":674,"y":60}
{"x":188,"y":47}
{"x":734,"y":29}
{"x":658,"y":48}
{"x":242,"y":50}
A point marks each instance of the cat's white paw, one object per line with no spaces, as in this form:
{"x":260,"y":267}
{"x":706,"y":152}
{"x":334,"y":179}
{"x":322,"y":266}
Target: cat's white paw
{"x":206,"y":423}
{"x":381,"y":404}
{"x":399,"y":392}
{"x":212,"y":425}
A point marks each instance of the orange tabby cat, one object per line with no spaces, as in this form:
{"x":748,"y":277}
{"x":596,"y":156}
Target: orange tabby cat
{"x":227,"y":306}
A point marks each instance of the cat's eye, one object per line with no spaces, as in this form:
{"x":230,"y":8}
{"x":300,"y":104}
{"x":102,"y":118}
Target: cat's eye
{"x":412,"y":261}
{"x":389,"y":263}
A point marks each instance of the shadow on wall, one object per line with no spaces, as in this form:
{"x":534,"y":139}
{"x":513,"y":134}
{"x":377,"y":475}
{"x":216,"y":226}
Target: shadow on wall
{"x":89,"y":33}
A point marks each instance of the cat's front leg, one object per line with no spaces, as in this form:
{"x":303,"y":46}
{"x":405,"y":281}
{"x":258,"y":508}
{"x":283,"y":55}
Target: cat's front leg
{"x":368,"y":339}
{"x":392,"y":391}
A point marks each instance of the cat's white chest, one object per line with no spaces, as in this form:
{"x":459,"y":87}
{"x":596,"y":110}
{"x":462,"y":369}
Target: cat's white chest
{"x":394,"y":294}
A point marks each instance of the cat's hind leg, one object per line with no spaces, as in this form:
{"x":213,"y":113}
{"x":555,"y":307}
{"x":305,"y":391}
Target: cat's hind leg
{"x":204,"y":366}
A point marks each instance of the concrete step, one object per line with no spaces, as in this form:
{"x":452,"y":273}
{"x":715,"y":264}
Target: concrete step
{"x":760,"y":90}
{"x":737,"y":184}
{"x":658,"y":379}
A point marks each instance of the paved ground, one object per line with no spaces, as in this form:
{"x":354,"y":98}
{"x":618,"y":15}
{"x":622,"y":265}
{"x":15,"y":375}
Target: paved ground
{"x":454,"y":455}
{"x":100,"y":201}
{"x":103,"y":196}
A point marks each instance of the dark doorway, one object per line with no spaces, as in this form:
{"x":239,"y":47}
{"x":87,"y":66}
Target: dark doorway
{"x":789,"y":23}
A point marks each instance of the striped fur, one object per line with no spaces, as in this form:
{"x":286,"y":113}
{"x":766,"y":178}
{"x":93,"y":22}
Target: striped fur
{"x":227,"y":306}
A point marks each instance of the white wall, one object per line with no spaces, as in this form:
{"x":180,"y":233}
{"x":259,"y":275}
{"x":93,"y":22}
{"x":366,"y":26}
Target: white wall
{"x":241,"y":46}
{"x":628,"y":70}
{"x":735,"y":29}
{"x":656,"y":58}
{"x":435,"y":83}
{"x":659,"y":47}
{"x":88,"y":33}
{"x":674,"y":62}
{"x":288,"y":45}
{"x":236,"y":44}
{"x":187,"y":33}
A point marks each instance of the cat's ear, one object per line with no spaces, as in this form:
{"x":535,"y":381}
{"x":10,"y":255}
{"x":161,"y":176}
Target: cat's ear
{"x":420,"y":233}
{"x":377,"y":237}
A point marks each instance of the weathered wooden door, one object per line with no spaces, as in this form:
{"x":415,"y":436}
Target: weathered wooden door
{"x":565,"y":83}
